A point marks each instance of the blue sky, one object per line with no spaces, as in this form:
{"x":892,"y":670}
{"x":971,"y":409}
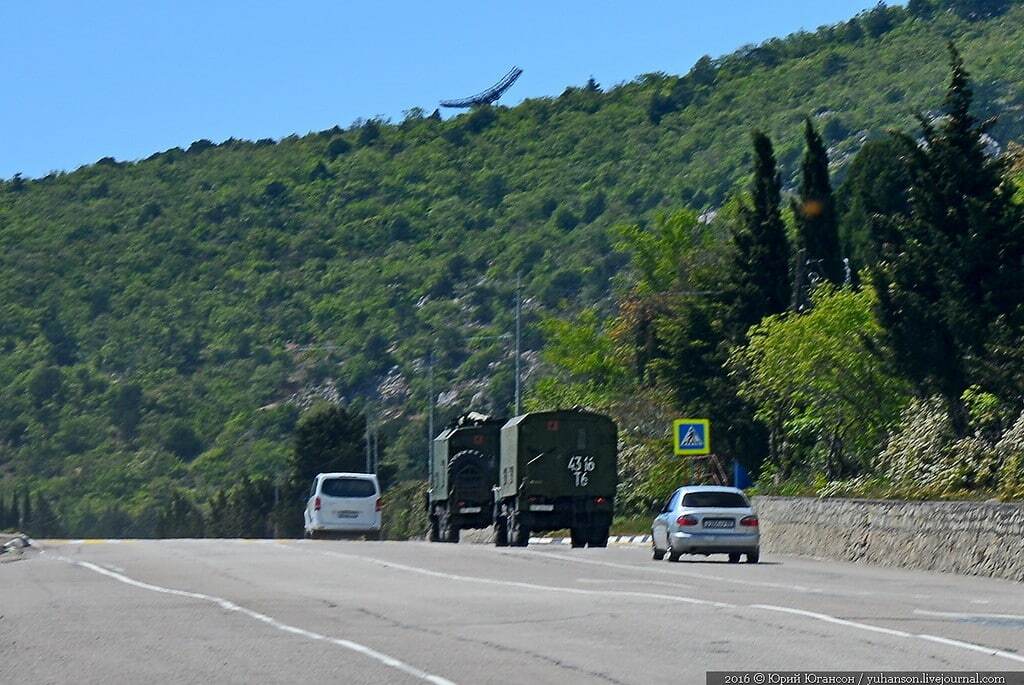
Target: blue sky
{"x":85,"y":80}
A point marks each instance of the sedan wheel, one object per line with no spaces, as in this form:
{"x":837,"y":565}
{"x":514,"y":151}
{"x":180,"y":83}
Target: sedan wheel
{"x":659,"y":554}
{"x":753,"y":557}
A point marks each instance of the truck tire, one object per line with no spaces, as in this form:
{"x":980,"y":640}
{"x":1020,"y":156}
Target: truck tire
{"x":501,"y":531}
{"x":577,"y":538}
{"x":446,"y":531}
{"x":435,"y":534}
{"x":598,"y":536}
{"x":518,"y":534}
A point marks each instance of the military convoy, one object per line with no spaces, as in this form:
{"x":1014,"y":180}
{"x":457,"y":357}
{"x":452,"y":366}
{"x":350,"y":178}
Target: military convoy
{"x":541,"y":471}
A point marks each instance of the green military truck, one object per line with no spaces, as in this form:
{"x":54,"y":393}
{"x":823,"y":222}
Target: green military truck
{"x":558,"y":469}
{"x":463,"y":473}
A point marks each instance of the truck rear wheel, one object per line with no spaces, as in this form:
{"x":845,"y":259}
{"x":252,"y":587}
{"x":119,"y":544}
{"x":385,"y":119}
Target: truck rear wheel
{"x":599,"y":536}
{"x":518,"y":534}
{"x":577,"y":538}
{"x":446,"y":531}
{"x":434,"y":535}
{"x":501,"y":531}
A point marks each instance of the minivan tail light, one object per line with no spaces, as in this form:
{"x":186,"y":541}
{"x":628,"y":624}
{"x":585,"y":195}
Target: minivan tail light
{"x":687,"y":520}
{"x":316,"y":503}
{"x":749,"y":521}
{"x":380,"y":504}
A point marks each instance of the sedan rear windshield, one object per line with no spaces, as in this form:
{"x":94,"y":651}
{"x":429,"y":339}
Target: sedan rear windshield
{"x":725,"y":500}
{"x":348,"y":487}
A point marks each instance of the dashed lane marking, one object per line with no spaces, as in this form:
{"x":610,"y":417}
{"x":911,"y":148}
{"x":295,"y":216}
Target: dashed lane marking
{"x":521,"y":584}
{"x":380,"y":657}
{"x":678,"y":598}
{"x":991,"y":651}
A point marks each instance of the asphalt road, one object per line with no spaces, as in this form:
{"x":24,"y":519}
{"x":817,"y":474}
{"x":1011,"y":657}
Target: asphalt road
{"x":227,"y":611}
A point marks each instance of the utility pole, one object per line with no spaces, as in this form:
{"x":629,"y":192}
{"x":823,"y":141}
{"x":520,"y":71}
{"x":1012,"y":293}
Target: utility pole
{"x":519,"y":309}
{"x":369,"y":445}
{"x":430,"y":412}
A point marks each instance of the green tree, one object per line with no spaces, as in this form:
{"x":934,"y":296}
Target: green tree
{"x":25,"y":518}
{"x":878,"y":21}
{"x":760,"y":271}
{"x":877,"y":184}
{"x":953,"y":268}
{"x":923,"y":9}
{"x":815,"y":379}
{"x":126,"y":408}
{"x":181,"y":439}
{"x":45,"y":521}
{"x":180,"y":518}
{"x":816,"y":224}
{"x":328,"y":437}
{"x":976,"y":10}
{"x":45,"y":384}
{"x":63,"y":345}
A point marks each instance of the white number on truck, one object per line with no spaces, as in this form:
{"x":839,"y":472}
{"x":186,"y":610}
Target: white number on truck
{"x":579,"y":467}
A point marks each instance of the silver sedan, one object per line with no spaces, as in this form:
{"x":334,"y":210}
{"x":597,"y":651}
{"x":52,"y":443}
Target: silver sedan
{"x":706,"y":519}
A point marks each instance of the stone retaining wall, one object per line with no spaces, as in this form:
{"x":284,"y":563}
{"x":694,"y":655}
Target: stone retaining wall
{"x":971,"y":538}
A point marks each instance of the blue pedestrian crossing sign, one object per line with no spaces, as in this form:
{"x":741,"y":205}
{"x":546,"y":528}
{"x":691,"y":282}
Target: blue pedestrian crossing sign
{"x":692,"y":437}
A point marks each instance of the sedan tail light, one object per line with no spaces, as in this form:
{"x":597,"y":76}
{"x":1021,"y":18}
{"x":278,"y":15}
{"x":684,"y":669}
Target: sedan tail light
{"x":380,"y":503}
{"x":687,"y":520}
{"x":749,"y":521}
{"x":316,"y":504}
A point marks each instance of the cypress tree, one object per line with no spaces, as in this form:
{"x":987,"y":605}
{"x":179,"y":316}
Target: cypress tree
{"x":4,"y":516}
{"x":45,"y":523}
{"x":951,"y":275}
{"x":25,"y":515}
{"x":816,"y":222}
{"x":760,"y":282}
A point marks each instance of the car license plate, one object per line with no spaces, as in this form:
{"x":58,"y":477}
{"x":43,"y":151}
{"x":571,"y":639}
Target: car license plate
{"x":347,"y":514}
{"x":542,"y":507}
{"x":469,"y":510}
{"x":719,"y":523}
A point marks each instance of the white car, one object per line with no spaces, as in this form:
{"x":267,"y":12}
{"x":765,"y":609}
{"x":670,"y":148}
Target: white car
{"x":707,"y":519}
{"x":346,"y":504}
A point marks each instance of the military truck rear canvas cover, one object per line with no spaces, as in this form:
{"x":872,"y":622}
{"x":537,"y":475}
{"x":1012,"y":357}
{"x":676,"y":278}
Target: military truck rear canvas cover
{"x":559,"y":454}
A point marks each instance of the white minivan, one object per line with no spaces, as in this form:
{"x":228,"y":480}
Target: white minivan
{"x":343,"y":504}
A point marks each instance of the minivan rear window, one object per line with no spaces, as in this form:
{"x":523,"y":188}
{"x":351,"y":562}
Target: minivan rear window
{"x":725,"y":500}
{"x":348,"y":487}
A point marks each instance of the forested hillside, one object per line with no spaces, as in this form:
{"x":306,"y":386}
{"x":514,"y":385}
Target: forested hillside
{"x":165,"y":322}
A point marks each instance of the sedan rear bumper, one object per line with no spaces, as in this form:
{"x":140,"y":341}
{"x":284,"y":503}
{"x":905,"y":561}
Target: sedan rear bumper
{"x":717,"y":542}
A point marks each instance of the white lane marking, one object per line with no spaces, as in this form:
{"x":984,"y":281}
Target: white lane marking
{"x":832,"y":619}
{"x":896,"y":633}
{"x":520,"y":584}
{"x":688,"y":600}
{"x":273,"y":622}
{"x":701,"y":576}
{"x":955,"y":614}
{"x":606,"y":581}
{"x":973,"y":647}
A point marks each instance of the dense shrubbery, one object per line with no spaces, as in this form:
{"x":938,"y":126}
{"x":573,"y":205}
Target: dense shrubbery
{"x":906,"y":382}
